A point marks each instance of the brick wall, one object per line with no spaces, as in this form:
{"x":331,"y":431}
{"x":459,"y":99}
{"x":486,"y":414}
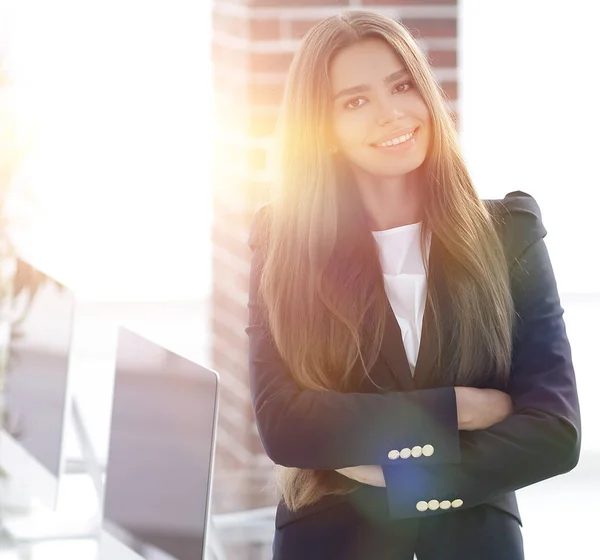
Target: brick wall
{"x":253,"y":45}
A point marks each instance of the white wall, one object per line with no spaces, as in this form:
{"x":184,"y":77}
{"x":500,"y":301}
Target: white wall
{"x":530,"y":118}
{"x":119,"y":95}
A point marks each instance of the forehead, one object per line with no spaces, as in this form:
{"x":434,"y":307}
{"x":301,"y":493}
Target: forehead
{"x":366,"y":62}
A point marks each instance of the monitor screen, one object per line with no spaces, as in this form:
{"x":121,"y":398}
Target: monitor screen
{"x":158,"y":476}
{"x":36,"y":381}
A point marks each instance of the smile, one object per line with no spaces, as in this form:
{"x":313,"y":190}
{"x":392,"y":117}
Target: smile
{"x":398,"y":141}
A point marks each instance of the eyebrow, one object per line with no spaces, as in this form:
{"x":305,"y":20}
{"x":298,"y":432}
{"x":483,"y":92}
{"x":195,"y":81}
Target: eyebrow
{"x":363,"y":87}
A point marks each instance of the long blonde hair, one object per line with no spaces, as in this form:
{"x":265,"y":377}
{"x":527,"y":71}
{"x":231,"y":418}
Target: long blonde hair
{"x":322,"y":283}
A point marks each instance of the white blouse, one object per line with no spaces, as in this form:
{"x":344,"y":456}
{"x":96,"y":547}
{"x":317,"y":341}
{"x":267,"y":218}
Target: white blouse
{"x":405,"y":281}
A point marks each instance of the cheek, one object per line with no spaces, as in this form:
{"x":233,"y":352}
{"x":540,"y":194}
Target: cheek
{"x":426,"y":119}
{"x":353,"y":132}
{"x":352,"y":129}
{"x":424,"y":115}
{"x":342,"y":126}
{"x":339,"y":129}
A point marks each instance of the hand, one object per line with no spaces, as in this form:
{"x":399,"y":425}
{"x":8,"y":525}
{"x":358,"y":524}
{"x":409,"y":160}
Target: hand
{"x":367,"y":474}
{"x":481,"y":408}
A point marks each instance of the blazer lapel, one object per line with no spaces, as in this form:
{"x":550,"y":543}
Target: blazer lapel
{"x":394,"y":353}
{"x":428,"y":348}
{"x":392,"y":349}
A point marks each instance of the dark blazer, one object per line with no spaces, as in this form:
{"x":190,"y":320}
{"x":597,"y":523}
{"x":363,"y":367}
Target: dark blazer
{"x":330,"y":430}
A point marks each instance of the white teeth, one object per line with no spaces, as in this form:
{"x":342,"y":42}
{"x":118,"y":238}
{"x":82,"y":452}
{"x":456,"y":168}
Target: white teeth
{"x":396,"y":141}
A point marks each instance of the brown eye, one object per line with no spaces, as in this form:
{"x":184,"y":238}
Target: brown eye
{"x":354,"y":103}
{"x":403,"y":87}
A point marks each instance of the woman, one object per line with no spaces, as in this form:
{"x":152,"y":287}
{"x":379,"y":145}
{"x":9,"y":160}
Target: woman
{"x":409,"y":364}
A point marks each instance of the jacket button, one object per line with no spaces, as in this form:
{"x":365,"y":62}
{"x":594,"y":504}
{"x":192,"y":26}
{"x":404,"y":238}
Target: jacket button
{"x":433,"y":505}
{"x":428,"y":450}
{"x":457,"y":503}
{"x":416,"y":451}
{"x":422,"y":506}
{"x":405,"y":453}
{"x":393,"y":454}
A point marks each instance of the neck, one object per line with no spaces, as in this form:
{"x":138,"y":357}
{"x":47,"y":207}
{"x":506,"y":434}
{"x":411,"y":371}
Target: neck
{"x":390,"y":201}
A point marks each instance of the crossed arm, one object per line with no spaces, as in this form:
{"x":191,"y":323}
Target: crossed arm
{"x":483,"y":448}
{"x":477,"y":409}
{"x":538,"y":440}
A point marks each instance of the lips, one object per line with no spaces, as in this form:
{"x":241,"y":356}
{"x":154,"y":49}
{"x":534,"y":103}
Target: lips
{"x":399,"y":147}
{"x":396,"y":134}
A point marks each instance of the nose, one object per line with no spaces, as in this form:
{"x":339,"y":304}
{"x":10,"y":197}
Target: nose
{"x":388,"y":113}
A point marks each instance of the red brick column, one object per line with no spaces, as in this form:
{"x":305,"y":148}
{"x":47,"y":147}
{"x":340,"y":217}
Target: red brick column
{"x":253,"y":45}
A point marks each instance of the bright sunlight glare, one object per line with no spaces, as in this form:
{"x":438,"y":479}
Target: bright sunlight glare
{"x":119,"y":97}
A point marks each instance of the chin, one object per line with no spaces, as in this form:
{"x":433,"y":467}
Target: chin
{"x":392,"y":169}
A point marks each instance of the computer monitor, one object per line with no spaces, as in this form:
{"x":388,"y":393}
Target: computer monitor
{"x":160,"y":458}
{"x":36,"y":385}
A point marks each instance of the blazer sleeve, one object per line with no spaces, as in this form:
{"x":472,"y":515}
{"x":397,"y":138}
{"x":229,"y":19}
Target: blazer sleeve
{"x":326,"y":429}
{"x":542,"y":437}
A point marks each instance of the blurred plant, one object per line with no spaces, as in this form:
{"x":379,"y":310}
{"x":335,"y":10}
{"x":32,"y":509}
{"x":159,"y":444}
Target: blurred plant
{"x":26,"y":282}
{"x":15,"y":278}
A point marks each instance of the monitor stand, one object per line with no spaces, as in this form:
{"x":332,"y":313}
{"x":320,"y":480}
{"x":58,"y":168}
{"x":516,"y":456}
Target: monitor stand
{"x":33,"y":522}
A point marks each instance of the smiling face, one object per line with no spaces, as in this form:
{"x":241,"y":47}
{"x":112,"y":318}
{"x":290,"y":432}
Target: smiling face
{"x":380,"y":123}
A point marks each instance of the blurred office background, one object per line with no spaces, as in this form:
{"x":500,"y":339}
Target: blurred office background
{"x":142,"y":131}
